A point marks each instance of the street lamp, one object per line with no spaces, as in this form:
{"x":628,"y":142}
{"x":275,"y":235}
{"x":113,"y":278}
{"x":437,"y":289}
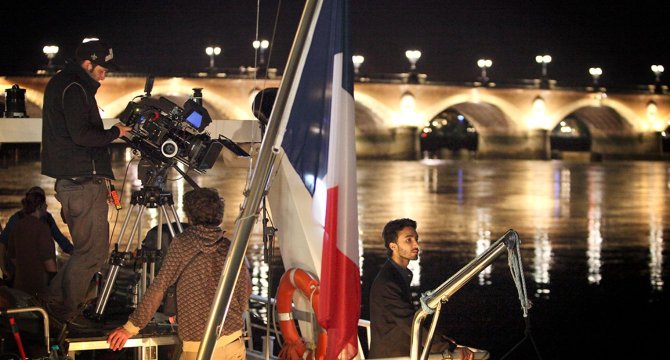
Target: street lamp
{"x":595,"y":72}
{"x":484,"y":64}
{"x":658,"y":71}
{"x":261,"y":45}
{"x":212,"y":51}
{"x":544,"y":60}
{"x":357,"y":60}
{"x":51,"y":50}
{"x":413,"y":56}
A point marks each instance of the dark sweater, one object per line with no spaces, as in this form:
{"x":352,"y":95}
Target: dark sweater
{"x":196,"y":283}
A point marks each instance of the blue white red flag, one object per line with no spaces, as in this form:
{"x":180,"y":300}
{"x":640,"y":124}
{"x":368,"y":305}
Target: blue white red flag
{"x":313,"y":195}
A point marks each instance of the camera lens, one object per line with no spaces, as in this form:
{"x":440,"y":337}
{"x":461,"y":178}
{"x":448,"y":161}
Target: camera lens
{"x":169,"y":148}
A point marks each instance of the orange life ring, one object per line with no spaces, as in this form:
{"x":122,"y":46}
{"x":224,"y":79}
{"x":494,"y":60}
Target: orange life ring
{"x":294,"y":347}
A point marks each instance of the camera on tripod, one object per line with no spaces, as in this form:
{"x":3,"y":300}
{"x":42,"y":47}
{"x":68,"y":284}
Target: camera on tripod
{"x":166,"y":132}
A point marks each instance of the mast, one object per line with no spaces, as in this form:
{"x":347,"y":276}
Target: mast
{"x":270,"y":148}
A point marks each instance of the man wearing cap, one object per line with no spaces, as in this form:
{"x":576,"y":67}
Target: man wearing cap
{"x":75,"y":152}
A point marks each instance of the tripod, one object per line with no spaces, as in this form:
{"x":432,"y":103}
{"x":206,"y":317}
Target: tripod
{"x":153,"y":197}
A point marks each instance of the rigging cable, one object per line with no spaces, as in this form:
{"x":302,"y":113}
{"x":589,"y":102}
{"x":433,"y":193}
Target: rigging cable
{"x":516,"y":268}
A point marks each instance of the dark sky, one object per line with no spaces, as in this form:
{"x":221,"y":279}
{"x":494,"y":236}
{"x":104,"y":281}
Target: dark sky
{"x":169,"y":37}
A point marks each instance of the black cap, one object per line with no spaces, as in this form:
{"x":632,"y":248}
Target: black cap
{"x":97,"y":52}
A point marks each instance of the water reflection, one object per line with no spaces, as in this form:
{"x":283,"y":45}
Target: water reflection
{"x":657,"y":200}
{"x":581,"y":225}
{"x":656,"y":256}
{"x":562,"y":193}
{"x":483,"y":242}
{"x":542,"y":258}
{"x":595,"y":239}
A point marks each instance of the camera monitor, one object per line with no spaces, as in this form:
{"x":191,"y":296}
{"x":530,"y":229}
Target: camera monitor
{"x":196,"y":115}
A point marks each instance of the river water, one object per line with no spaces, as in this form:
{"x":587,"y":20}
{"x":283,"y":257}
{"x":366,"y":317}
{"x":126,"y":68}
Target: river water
{"x":592,"y":244}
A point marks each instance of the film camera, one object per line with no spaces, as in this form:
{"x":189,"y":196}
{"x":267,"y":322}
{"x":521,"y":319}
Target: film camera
{"x":167,"y":132}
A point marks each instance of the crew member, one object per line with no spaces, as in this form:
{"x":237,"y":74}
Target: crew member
{"x":194,"y":261}
{"x":75,"y":152}
{"x":65,"y":244}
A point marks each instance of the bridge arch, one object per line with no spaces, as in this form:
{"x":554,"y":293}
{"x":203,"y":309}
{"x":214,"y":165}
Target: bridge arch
{"x":487,"y":113}
{"x":623,"y":111}
{"x":372,"y":116}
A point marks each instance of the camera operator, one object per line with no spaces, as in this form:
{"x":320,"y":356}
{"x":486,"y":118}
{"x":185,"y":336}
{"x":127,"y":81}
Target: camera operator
{"x":75,"y":152}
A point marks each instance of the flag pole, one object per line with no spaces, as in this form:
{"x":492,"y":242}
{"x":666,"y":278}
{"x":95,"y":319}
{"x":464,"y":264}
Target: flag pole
{"x":251,"y":206}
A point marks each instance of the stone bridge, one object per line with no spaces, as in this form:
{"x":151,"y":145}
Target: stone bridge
{"x":391,"y":117}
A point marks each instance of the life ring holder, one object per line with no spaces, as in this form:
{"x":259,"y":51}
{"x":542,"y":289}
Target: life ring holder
{"x":294,"y":347}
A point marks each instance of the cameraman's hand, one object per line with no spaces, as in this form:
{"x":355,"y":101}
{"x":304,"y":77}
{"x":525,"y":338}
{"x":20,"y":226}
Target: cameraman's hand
{"x":123,"y":129}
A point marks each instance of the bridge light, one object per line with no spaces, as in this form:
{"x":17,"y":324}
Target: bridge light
{"x":484,"y":64}
{"x":596,"y":73}
{"x":50,"y":51}
{"x":413,"y":56}
{"x":538,"y":116}
{"x":212,"y":51}
{"x":543,"y":60}
{"x":358,"y":61}
{"x":261,"y":46}
{"x":658,"y":71}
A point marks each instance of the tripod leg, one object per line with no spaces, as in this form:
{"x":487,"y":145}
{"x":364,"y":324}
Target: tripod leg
{"x":176,"y":219}
{"x":159,"y":240}
{"x":125,"y":224}
{"x":114,"y":269}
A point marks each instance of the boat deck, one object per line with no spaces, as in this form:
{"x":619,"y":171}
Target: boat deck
{"x":147,"y":345}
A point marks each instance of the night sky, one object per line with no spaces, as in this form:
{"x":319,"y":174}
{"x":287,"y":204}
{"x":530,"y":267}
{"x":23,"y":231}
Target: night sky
{"x":169,"y":37}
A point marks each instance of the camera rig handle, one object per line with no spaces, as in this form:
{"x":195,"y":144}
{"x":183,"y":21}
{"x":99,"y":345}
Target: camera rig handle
{"x":148,"y":85}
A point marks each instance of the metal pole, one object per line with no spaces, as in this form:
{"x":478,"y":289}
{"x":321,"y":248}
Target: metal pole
{"x":249,"y":213}
{"x":433,"y":299}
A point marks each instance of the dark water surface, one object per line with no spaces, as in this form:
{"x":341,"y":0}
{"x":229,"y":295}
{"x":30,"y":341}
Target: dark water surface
{"x":592,"y":243}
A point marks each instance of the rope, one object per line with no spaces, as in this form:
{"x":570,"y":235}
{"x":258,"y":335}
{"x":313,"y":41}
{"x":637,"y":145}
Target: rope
{"x":315,"y":326}
{"x":516,"y":268}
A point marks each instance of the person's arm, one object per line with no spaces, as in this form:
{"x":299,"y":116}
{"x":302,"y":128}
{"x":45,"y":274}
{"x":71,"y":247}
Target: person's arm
{"x":4,"y":235}
{"x":395,"y":304}
{"x":51,"y":268}
{"x":61,"y":240}
{"x":152,"y":299}
{"x":46,"y":250}
{"x":3,"y":266}
{"x":10,"y":252}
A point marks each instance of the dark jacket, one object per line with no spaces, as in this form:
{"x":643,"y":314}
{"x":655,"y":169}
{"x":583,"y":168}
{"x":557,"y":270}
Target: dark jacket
{"x":74,"y":141}
{"x":391,"y":316}
{"x":48,"y":219}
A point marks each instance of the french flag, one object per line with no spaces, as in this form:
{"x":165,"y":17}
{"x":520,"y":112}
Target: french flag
{"x":313,"y":193}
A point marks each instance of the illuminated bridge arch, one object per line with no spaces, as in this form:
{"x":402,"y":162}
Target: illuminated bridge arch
{"x":577,"y":130}
{"x":457,"y":128}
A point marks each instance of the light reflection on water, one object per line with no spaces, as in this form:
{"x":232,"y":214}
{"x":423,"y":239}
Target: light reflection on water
{"x":591,"y":228}
{"x":466,"y":202}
